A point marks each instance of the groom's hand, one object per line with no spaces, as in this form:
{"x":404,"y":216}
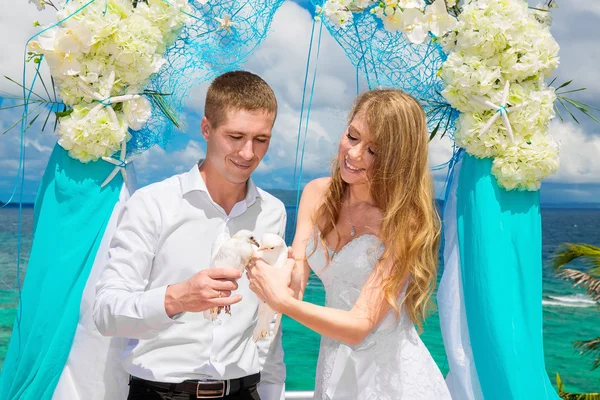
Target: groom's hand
{"x":207,"y":289}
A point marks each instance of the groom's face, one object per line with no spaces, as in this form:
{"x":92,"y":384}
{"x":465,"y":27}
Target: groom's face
{"x":237,"y":145}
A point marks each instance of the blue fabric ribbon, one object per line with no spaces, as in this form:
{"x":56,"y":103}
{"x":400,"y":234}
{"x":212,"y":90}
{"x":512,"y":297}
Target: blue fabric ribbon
{"x":500,"y":241}
{"x":70,"y":216}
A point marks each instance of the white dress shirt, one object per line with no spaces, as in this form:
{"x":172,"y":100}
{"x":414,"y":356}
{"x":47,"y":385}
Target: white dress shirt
{"x":164,"y":236}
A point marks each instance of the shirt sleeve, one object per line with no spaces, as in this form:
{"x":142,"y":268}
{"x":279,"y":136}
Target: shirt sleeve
{"x":124,"y":306}
{"x":270,"y":351}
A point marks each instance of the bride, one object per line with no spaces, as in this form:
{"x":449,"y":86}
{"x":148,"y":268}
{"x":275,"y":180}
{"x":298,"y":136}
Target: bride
{"x":371,"y":234}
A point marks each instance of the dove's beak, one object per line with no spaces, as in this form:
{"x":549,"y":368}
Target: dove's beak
{"x":254,"y":242}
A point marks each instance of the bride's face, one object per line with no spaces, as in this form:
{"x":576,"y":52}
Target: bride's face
{"x":356,"y":153}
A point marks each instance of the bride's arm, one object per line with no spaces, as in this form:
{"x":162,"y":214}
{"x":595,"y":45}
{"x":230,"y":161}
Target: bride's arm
{"x":311,"y":198}
{"x":350,"y":327}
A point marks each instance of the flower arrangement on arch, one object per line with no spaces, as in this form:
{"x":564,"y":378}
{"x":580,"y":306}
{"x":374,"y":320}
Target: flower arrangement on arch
{"x":499,"y":55}
{"x":101,"y":56}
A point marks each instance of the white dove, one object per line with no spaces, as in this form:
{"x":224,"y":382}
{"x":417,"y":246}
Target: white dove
{"x":234,"y":252}
{"x":273,"y":251}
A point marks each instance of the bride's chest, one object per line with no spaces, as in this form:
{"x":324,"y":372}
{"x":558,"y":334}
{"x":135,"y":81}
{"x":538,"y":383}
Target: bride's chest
{"x":351,"y":266}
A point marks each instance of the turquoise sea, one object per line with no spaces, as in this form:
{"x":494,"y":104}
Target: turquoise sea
{"x":568,"y":313}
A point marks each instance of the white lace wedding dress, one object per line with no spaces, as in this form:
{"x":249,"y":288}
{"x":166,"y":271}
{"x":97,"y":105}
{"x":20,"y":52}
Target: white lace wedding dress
{"x":392,"y":363}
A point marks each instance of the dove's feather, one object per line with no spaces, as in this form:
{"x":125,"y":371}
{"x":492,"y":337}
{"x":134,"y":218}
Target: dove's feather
{"x":266,"y":314}
{"x":233,"y":253}
{"x":228,"y":252}
{"x":217,"y":244}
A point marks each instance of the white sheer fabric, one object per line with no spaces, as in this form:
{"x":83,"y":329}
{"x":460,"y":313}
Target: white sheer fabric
{"x":462,"y":378}
{"x":93,"y":370}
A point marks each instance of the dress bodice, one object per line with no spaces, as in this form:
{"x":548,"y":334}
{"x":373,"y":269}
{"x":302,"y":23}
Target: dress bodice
{"x":391,"y":362}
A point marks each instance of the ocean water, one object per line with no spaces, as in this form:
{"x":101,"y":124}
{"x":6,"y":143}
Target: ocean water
{"x":569,"y":314}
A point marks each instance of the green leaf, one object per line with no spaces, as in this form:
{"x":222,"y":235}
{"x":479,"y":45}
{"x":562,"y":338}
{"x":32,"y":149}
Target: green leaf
{"x":23,"y":87}
{"x":572,"y":91}
{"x":165,"y":108}
{"x":21,"y":119}
{"x":46,"y":121}
{"x":558,"y":113}
{"x":566,"y":108}
{"x":564,"y":84}
{"x":583,"y":107}
{"x":447,"y":122}
{"x":567,"y":252}
{"x":53,"y":87}
{"x":33,"y":120}
{"x":434,"y":131}
{"x":590,"y":347}
{"x":559,"y":383}
{"x":579,"y":104}
{"x":13,"y":106}
{"x":37,"y":71}
{"x":60,"y":114}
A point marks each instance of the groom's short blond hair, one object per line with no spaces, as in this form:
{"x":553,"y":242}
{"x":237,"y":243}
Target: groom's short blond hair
{"x":238,"y":90}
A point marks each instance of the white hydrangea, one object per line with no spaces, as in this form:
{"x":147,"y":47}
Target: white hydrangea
{"x":89,"y":139}
{"x":337,"y":12}
{"x":499,"y":41}
{"x":137,"y":112}
{"x":414,"y":18}
{"x":105,"y":37}
{"x":541,"y":13}
{"x":525,"y":165}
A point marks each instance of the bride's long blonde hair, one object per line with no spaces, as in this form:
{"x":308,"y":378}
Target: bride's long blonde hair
{"x":401,"y":187}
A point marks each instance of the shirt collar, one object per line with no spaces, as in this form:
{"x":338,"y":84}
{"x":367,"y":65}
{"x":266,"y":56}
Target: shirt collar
{"x":192,"y":181}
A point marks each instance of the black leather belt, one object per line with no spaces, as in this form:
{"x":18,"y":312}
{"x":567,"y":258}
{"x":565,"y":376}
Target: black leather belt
{"x":205,"y":389}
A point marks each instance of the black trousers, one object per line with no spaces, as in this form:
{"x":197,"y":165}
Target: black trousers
{"x":139,"y":391}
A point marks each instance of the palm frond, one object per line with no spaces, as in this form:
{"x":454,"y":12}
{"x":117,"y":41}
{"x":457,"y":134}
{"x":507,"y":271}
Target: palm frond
{"x":568,"y":252}
{"x":573,"y":396}
{"x":583,"y":280}
{"x":590,"y":347}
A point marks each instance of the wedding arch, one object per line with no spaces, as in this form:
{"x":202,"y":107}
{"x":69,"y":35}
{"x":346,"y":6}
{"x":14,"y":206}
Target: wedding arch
{"x":122,"y":70}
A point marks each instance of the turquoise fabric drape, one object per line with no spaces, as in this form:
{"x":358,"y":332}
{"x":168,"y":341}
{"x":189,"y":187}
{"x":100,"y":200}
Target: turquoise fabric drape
{"x":500,"y":242}
{"x":70,"y":216}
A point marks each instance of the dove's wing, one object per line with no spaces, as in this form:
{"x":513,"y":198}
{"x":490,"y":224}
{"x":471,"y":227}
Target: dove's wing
{"x":229,"y":255}
{"x":220,"y":240}
{"x":215,"y":259}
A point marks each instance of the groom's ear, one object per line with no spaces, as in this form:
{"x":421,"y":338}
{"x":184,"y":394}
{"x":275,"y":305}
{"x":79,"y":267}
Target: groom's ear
{"x":205,"y":128}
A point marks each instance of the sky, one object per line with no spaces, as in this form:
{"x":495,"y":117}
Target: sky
{"x":281,"y":61}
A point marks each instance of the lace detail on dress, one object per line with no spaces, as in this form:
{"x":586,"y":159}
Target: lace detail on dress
{"x":392,"y":362}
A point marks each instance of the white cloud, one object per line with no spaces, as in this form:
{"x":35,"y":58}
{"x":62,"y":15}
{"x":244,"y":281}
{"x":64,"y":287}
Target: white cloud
{"x":38,"y":147}
{"x":157,"y":164}
{"x":16,"y":27}
{"x":583,"y":6}
{"x":579,"y":153}
{"x":575,"y":27}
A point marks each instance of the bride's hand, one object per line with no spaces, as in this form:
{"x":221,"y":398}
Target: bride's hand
{"x":271,"y":284}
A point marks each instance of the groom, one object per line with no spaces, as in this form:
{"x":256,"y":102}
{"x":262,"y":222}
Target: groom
{"x":157,"y":281}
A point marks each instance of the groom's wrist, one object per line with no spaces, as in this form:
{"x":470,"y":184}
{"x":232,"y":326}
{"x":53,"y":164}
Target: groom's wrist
{"x":173,"y":303}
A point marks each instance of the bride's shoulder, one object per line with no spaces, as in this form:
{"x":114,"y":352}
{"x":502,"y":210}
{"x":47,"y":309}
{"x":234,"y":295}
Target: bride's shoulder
{"x":313,"y":193}
{"x":315,"y":189}
{"x":317,"y":186}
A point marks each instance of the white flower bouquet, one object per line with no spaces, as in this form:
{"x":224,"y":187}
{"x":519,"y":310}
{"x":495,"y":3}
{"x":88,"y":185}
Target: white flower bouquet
{"x":499,"y":46}
{"x":101,"y":56}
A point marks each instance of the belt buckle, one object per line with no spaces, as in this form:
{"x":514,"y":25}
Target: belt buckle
{"x":210,"y":393}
